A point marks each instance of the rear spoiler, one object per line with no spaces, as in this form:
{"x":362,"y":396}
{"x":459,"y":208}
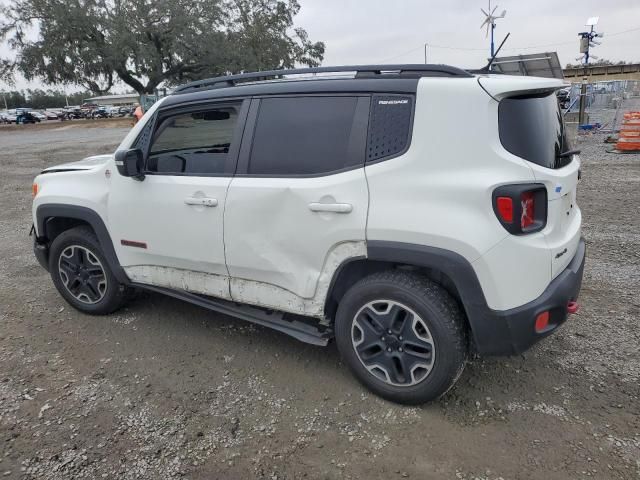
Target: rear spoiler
{"x":502,"y":86}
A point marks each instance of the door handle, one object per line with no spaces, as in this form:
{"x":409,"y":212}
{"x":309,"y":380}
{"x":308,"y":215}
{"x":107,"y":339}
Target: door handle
{"x":204,"y":201}
{"x":331,"y":207}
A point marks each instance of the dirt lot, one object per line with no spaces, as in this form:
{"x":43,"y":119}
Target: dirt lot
{"x":164,"y":389}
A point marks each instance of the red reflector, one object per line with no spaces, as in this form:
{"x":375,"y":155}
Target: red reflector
{"x":573,"y":307}
{"x":504,"y":205}
{"x":528,"y":204}
{"x":542,"y":322}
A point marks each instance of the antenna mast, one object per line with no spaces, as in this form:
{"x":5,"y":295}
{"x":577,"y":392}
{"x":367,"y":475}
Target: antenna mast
{"x":490,"y":22}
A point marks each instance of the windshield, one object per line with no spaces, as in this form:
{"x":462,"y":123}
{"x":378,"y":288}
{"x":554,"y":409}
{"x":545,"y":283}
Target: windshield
{"x":531,"y":127}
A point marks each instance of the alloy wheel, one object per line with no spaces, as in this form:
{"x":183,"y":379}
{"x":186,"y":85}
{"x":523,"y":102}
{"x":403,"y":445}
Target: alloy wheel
{"x":82,"y":274}
{"x":393,"y":343}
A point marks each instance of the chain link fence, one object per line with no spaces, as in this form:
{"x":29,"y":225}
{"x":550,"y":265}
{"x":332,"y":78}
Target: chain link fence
{"x":605,"y":104}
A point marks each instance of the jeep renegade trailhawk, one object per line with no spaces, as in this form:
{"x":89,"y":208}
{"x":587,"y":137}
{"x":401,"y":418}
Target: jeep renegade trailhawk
{"x":413,"y":212}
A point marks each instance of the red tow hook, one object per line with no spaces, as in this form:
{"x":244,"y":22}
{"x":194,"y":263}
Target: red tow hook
{"x":573,"y":307}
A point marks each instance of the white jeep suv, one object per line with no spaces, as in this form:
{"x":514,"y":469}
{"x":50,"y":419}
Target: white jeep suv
{"x":412,"y":212}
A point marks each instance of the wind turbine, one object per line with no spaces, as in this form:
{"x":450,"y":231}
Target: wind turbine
{"x":490,"y":22}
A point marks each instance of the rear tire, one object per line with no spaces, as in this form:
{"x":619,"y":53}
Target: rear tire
{"x":82,"y":275}
{"x":402,"y":335}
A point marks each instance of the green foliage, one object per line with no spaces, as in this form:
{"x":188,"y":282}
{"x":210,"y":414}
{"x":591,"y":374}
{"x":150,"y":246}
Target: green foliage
{"x":143,"y":43}
{"x":41,"y":99}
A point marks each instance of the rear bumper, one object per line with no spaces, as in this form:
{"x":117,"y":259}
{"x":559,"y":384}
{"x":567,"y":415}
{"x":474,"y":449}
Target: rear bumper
{"x":513,"y":331}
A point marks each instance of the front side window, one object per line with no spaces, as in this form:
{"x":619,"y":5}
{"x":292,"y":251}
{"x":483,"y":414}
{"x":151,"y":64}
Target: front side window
{"x":532,"y":128}
{"x":194,"y":143}
{"x":305,"y":136}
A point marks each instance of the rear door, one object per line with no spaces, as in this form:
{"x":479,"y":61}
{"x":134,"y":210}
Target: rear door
{"x":297,"y":206}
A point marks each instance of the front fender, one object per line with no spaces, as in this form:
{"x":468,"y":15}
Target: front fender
{"x":45,"y":212}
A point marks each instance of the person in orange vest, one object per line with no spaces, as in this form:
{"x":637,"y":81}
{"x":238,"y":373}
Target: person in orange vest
{"x":138,"y":113}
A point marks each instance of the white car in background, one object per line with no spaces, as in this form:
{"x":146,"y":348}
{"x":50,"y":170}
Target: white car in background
{"x":9,"y":116}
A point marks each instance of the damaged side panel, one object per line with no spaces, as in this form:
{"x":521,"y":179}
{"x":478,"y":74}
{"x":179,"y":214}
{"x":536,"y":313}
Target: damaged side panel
{"x":271,"y":296}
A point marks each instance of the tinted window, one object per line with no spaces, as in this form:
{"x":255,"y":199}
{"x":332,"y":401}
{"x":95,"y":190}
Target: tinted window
{"x":304,"y":136}
{"x":389,"y":125}
{"x":193,"y":143}
{"x":531,"y":127}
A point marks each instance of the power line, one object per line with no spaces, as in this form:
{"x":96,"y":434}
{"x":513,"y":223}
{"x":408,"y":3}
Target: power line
{"x":401,"y":54}
{"x":624,"y":31}
{"x":448,"y":47}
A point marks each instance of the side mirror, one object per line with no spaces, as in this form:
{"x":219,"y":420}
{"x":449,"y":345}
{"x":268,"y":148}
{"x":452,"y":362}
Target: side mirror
{"x":130,"y":163}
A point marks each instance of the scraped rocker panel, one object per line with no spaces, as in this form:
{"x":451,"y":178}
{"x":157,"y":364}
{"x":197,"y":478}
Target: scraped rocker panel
{"x":179,"y":279}
{"x":249,"y":291}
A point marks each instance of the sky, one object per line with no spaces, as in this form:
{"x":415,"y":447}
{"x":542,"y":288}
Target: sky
{"x":395,"y":31}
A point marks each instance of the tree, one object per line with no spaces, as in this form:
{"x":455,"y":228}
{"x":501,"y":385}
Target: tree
{"x":144,"y":43}
{"x":41,"y":99}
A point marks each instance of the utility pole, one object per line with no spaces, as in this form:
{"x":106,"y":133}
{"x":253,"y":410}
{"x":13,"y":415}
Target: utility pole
{"x":426,"y":45}
{"x":5,"y":101}
{"x":587,"y":40}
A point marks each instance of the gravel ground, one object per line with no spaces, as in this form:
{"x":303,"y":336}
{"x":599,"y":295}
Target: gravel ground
{"x":163,"y":389}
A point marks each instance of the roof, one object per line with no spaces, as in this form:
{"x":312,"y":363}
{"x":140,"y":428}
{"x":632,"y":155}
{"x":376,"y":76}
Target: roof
{"x":341,"y":79}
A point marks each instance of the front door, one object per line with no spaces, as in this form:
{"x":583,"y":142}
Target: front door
{"x":297,"y":207}
{"x":168,"y":228}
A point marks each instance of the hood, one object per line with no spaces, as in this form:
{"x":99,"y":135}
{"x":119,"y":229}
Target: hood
{"x":88,"y":163}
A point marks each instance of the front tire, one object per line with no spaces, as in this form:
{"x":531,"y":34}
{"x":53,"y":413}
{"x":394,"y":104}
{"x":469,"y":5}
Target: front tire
{"x":402,"y":335}
{"x":81,"y":273}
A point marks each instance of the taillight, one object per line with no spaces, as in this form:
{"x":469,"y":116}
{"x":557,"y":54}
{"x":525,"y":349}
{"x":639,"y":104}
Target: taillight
{"x":521,"y":208}
{"x":528,"y":203}
{"x":504,"y":205}
{"x":34,"y":190}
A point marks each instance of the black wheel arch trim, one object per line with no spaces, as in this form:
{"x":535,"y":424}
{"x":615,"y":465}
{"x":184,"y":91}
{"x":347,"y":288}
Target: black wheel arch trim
{"x":451,"y":264}
{"x":47,"y":211}
{"x":494,"y":332}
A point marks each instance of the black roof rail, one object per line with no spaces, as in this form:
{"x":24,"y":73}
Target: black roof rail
{"x":362,"y":71}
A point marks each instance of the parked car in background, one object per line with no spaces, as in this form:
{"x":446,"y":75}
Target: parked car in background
{"x":24,"y":116}
{"x":127,"y":111}
{"x":51,"y":115}
{"x":72,"y":112}
{"x":113,"y":111}
{"x":39,"y":115}
{"x":9,"y":116}
{"x":101,"y":111}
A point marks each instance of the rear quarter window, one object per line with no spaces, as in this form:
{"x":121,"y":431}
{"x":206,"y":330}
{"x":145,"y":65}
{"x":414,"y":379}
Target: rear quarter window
{"x":389,"y":126}
{"x":531,"y":127}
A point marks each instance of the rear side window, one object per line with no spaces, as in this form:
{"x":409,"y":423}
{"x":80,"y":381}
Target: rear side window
{"x":194,"y":143}
{"x":389,"y":126}
{"x":531,"y":127}
{"x":305,"y":136}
